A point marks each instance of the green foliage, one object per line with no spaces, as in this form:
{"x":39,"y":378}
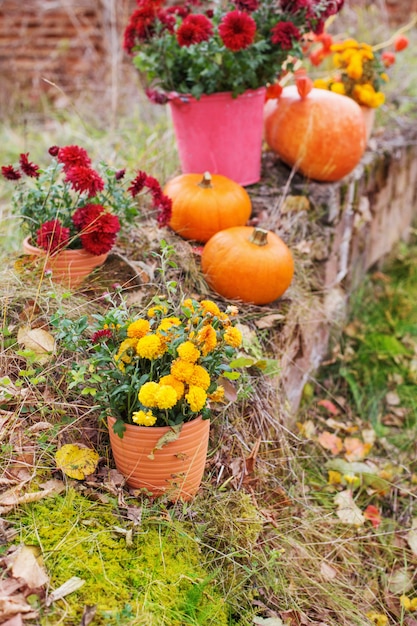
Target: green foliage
{"x":157,"y":580}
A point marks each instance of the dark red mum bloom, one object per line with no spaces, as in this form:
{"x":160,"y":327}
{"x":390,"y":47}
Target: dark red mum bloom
{"x":10,"y":173}
{"x":237,"y":30}
{"x":53,"y":151}
{"x":71,"y":156}
{"x":98,"y":228}
{"x":137,"y":184}
{"x":82,"y":178}
{"x":246,"y":5}
{"x":141,"y":24}
{"x":155,"y":188}
{"x":52,"y":236}
{"x":105,"y":333}
{"x":194,"y":29}
{"x":284,"y":33}
{"x":30,"y":169}
{"x":155,"y":96}
{"x":164,"y":209}
{"x":120,"y":174}
{"x":167,"y":19}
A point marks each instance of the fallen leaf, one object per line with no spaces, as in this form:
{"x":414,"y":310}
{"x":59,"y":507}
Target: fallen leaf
{"x":38,"y":340}
{"x":269,"y":321}
{"x":373,"y":515}
{"x":24,"y":564}
{"x":306,"y":429}
{"x":88,"y":614}
{"x":268,"y":621}
{"x":347,"y":511}
{"x":327,"y":571}
{"x":76,"y":461}
{"x":330,"y":442}
{"x":392,"y":398}
{"x":412,"y":536}
{"x":400,"y":581}
{"x":329,"y":406}
{"x":356,"y":450}
{"x":69,"y":586}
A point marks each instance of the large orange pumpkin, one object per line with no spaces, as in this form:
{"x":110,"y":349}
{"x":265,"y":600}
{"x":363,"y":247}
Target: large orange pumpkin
{"x":322,"y":134}
{"x":204,"y":204}
{"x":248,"y":264}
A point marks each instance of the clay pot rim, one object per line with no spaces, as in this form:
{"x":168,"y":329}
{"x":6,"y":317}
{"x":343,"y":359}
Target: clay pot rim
{"x":80,"y":252}
{"x":134,"y":427}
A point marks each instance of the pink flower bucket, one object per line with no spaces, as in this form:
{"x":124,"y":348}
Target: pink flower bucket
{"x":220,"y":134}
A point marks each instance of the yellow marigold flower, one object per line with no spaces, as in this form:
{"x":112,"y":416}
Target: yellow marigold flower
{"x":210,"y":307}
{"x":355,"y":68}
{"x":405,"y":602}
{"x":321,"y":83}
{"x":338,"y":88}
{"x":168,"y":322}
{"x":208,"y":338}
{"x":188,"y":352}
{"x":126,"y":350}
{"x":378,"y":619}
{"x":188,"y":304}
{"x":384,"y":76}
{"x":196,"y":398}
{"x":200,"y":377}
{"x":173,"y":382}
{"x":150,"y":347}
{"x":166,"y":397}
{"x":147,"y":394}
{"x":138,"y":329}
{"x":182,"y":370}
{"x":160,"y":308}
{"x":217,"y":395}
{"x":366,"y":95}
{"x":233,"y":337}
{"x":143,"y":419}
{"x":347,"y":43}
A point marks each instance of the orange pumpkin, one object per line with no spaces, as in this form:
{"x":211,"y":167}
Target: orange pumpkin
{"x":204,"y":204}
{"x":322,"y":134}
{"x":248,"y":264}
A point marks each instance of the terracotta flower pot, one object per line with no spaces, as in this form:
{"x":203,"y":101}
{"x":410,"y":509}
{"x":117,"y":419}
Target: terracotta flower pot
{"x":175,"y":469}
{"x":69,"y":267}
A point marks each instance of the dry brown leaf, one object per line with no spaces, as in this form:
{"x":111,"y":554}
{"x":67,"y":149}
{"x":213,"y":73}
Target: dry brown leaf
{"x":392,"y":398}
{"x":347,"y":511}
{"x":412,"y":536}
{"x":39,"y":341}
{"x":13,"y":605}
{"x":69,"y":586}
{"x":330,"y":442}
{"x":24,"y":564}
{"x":269,"y":321}
{"x":16,"y":620}
{"x":400,"y":581}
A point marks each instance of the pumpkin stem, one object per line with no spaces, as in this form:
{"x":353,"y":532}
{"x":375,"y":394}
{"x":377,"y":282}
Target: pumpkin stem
{"x":206,"y":181}
{"x":259,"y":237}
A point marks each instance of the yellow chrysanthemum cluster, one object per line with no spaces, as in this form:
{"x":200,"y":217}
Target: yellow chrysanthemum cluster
{"x":359,"y":73}
{"x":176,"y":360}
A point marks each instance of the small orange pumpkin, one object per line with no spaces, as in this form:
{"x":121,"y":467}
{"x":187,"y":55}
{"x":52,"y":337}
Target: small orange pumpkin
{"x":204,"y":204}
{"x":320,"y":133}
{"x":248,"y":264}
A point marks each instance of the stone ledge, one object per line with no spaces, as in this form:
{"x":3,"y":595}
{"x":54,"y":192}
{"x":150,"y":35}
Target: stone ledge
{"x":338,"y":232}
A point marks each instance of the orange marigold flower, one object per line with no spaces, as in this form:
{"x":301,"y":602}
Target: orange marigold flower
{"x":150,"y":347}
{"x":200,"y":377}
{"x":182,"y":370}
{"x":233,"y":337}
{"x":169,"y":379}
{"x":208,"y":338}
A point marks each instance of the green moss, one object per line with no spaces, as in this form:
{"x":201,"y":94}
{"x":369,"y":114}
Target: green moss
{"x":158,"y":580}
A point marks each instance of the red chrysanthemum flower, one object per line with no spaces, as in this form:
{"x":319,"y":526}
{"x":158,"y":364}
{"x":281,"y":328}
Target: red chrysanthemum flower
{"x":284,"y":33}
{"x":84,"y":179}
{"x":52,"y":236}
{"x":164,"y":210}
{"x":30,"y":169}
{"x":53,"y":151}
{"x":105,"y":333}
{"x":137,"y":184}
{"x":120,"y":174}
{"x":155,"y":96}
{"x":10,"y":173}
{"x":167,"y":19}
{"x":71,"y":156}
{"x":141,"y":24}
{"x":237,"y":30}
{"x":247,"y":5}
{"x":98,"y":228}
{"x":194,"y":29}
{"x":154,"y":187}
